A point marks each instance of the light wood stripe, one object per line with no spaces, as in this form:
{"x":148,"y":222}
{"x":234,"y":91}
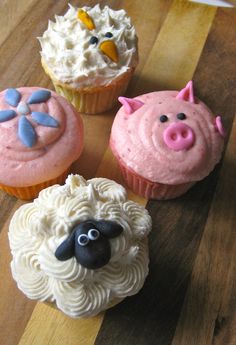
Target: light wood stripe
{"x":165,"y":67}
{"x":209,"y":297}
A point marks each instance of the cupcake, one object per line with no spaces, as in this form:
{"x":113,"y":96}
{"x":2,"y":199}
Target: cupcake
{"x":90,"y":55}
{"x":41,"y":135}
{"x":166,"y":141}
{"x":81,"y":247}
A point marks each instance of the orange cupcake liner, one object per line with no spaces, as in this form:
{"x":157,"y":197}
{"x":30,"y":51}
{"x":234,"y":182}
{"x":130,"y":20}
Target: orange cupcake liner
{"x":31,"y":192}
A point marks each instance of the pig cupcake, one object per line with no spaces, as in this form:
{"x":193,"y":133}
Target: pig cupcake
{"x":41,"y":135}
{"x":81,"y":247}
{"x":165,"y":142}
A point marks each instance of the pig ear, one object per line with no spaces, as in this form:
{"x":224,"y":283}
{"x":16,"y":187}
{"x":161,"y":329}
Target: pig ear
{"x":186,"y":94}
{"x":130,"y":104}
{"x":219,"y":126}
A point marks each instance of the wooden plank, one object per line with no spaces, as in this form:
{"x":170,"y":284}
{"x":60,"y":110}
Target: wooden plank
{"x":11,"y":14}
{"x":210,"y":303}
{"x":58,"y":328}
{"x":151,"y":316}
{"x":97,"y":130}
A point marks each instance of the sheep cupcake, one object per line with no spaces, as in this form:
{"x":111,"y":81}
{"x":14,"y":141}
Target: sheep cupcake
{"x":90,"y":54}
{"x":82,"y":246}
{"x":166,"y":141}
{"x":41,"y":135}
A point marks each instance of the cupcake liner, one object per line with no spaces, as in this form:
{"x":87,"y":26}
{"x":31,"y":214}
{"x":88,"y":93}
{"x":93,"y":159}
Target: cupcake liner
{"x":92,"y":100}
{"x":31,"y":192}
{"x":152,"y":190}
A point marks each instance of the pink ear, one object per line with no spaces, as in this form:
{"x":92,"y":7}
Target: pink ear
{"x":219,"y":126}
{"x":186,"y":94}
{"x":130,"y":104}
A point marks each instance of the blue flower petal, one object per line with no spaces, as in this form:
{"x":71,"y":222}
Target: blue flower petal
{"x":12,"y":97}
{"x":39,"y":96}
{"x":44,"y":119}
{"x":26,"y":132}
{"x":6,"y":115}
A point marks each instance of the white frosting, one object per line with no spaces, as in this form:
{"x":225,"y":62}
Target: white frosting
{"x":38,"y":228}
{"x":71,"y":58}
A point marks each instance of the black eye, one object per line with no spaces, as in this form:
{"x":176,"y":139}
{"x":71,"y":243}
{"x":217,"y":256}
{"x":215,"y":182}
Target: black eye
{"x":93,"y":40}
{"x":93,"y":234}
{"x":108,"y":34}
{"x":83,"y":240}
{"x":163,"y":118}
{"x":181,"y":116}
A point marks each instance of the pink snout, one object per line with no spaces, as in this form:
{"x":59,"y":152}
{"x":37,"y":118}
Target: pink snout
{"x":179,"y":136}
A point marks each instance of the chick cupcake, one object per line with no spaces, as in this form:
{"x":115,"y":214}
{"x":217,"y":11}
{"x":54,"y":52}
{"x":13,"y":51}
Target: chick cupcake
{"x":81,"y":247}
{"x":166,"y":141}
{"x":90,"y":55}
{"x":41,"y":135}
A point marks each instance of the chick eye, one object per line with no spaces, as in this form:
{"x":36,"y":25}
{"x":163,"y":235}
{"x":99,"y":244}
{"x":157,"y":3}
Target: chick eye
{"x":181,"y":116}
{"x":83,"y":240}
{"x":163,"y":118}
{"x":93,"y":234}
{"x":93,"y":40}
{"x":108,"y":34}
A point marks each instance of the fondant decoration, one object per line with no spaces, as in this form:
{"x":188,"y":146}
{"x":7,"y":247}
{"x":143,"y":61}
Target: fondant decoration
{"x":130,"y":104}
{"x":23,"y":108}
{"x":44,"y":119}
{"x":163,"y":118}
{"x":12,"y":97}
{"x":109,"y":49}
{"x":6,"y":115}
{"x":39,"y":96}
{"x":89,"y":243}
{"x":86,"y":19}
{"x":93,"y":40}
{"x":26,"y":132}
{"x":181,"y":116}
{"x":219,"y":126}
{"x":186,"y":94}
{"x":179,"y":136}
{"x":108,"y":34}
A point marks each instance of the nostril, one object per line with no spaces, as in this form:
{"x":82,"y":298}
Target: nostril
{"x":173,"y":136}
{"x":184,"y":134}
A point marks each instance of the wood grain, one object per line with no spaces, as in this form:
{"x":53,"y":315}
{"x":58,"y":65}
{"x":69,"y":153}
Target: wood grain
{"x":188,"y":298}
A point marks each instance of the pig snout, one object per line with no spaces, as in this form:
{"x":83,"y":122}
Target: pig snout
{"x":179,"y":136}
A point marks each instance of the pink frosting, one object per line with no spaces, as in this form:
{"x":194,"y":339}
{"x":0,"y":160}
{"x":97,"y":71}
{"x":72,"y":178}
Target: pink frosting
{"x":55,"y":150}
{"x":145,"y":145}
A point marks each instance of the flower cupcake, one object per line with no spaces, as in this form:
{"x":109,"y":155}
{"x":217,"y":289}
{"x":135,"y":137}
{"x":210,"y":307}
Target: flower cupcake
{"x":81,"y":247}
{"x":166,"y":141}
{"x":41,"y":135}
{"x":90,"y":55}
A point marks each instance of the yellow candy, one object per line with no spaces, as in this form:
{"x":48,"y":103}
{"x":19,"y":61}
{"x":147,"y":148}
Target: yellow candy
{"x":109,"y":49}
{"x":86,"y":19}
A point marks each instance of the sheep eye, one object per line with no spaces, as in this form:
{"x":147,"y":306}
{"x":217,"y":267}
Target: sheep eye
{"x":93,"y":40}
{"x":181,"y":116}
{"x":93,"y":234}
{"x":108,"y":34}
{"x":163,"y":118}
{"x":83,"y":240}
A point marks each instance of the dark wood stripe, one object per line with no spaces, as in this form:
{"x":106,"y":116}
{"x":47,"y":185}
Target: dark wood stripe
{"x":151,"y":316}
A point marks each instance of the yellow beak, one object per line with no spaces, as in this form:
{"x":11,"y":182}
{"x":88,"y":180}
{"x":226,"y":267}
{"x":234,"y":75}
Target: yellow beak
{"x":86,"y":19}
{"x":109,"y":49}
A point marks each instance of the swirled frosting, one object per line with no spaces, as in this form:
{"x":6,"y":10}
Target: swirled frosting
{"x":72,"y":58}
{"x":38,"y":228}
{"x":55,"y":148}
{"x":138,"y":140}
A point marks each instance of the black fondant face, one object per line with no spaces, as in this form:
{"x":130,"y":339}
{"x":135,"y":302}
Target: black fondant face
{"x":89,"y":243}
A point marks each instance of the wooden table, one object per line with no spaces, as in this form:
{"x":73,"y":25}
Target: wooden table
{"x":189,"y":297}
